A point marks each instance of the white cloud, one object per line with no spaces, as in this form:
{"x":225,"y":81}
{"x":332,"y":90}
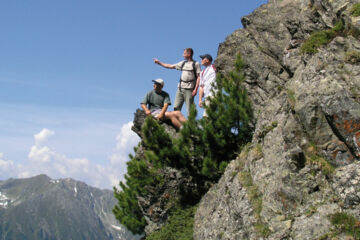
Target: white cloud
{"x":126,"y":141}
{"x":126,"y":137}
{"x":40,"y":154}
{"x":7,"y":167}
{"x":86,"y":144}
{"x":25,"y":174}
{"x":43,"y":159}
{"x":43,"y":136}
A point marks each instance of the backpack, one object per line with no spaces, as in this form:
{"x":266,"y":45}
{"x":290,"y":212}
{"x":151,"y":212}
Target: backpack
{"x":194,"y":70}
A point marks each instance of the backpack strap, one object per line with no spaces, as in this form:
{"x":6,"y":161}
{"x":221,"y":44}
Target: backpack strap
{"x":182,"y":65}
{"x":194,"y":69}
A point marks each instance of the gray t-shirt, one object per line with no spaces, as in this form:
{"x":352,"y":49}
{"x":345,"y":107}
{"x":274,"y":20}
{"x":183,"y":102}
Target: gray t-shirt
{"x":187,"y":74}
{"x":155,"y":100}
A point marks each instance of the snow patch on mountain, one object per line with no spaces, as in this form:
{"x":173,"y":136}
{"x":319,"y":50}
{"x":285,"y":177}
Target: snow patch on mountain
{"x":4,"y":200}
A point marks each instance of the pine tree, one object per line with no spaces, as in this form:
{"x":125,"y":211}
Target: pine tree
{"x":228,"y":125}
{"x":191,"y":148}
{"x":159,"y":145}
{"x":127,"y":210}
{"x":190,"y":145}
{"x":143,"y":174}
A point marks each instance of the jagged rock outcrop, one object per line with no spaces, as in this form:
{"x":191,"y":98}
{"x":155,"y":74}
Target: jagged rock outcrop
{"x":139,"y":119}
{"x":308,"y":115}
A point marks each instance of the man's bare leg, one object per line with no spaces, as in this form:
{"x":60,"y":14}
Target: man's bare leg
{"x":173,"y":118}
{"x":179,"y":116}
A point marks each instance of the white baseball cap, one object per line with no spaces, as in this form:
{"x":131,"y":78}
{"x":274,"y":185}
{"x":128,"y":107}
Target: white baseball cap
{"x":159,"y":81}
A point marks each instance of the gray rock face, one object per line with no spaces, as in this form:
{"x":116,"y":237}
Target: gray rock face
{"x":225,"y":201}
{"x":346,"y":184}
{"x":308,"y":118}
{"x":156,"y":206}
{"x":43,"y":208}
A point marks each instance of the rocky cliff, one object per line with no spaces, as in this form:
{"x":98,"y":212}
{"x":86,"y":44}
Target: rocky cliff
{"x":299,"y":176}
{"x":302,"y":166}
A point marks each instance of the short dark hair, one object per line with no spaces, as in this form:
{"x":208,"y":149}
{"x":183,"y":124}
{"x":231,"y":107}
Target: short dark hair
{"x":190,"y":50}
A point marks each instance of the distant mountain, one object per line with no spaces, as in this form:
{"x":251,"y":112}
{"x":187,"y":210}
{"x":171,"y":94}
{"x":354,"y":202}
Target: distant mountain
{"x":43,"y":208}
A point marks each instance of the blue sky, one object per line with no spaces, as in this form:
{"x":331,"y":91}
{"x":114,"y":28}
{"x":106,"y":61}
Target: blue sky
{"x":72,"y":73}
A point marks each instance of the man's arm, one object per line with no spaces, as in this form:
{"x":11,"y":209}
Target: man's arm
{"x":201,"y":94}
{"x":196,"y":86}
{"x":147,"y":111}
{"x":165,"y":65}
{"x":163,"y":110}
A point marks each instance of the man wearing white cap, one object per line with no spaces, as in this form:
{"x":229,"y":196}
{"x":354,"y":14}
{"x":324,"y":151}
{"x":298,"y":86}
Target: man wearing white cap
{"x":156,"y":103}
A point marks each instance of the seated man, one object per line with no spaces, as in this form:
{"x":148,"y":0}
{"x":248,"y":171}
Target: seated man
{"x":156,"y":103}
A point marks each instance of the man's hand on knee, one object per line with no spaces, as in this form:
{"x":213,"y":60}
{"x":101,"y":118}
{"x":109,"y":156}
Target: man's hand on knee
{"x":160,"y":116}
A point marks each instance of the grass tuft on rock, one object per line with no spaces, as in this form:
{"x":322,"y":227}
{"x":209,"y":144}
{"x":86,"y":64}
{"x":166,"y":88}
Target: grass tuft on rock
{"x":321,"y":38}
{"x":352,"y":57}
{"x":179,"y":227}
{"x":314,"y":158}
{"x":255,"y":197}
{"x":355,"y":10}
{"x":326,"y":168}
{"x":291,"y":98}
{"x":346,"y":223}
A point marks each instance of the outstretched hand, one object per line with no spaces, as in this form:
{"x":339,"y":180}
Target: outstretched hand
{"x":156,"y":60}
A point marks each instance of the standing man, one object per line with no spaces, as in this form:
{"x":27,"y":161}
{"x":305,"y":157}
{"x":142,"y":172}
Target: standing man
{"x":207,"y":80}
{"x":189,"y":80}
{"x":156,"y":102}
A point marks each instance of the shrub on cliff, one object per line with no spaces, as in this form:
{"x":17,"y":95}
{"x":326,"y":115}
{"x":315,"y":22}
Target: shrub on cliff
{"x":142,"y":175}
{"x":181,"y":223}
{"x":229,"y":122}
{"x":127,"y":211}
{"x":355,"y":10}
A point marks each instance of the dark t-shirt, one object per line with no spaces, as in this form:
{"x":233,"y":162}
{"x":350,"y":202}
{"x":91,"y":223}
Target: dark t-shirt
{"x":155,"y":100}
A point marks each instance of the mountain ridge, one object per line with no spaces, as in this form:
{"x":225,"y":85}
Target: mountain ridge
{"x":43,"y":208}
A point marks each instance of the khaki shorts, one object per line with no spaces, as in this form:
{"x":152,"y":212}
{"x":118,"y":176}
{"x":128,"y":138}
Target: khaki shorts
{"x":156,"y":112}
